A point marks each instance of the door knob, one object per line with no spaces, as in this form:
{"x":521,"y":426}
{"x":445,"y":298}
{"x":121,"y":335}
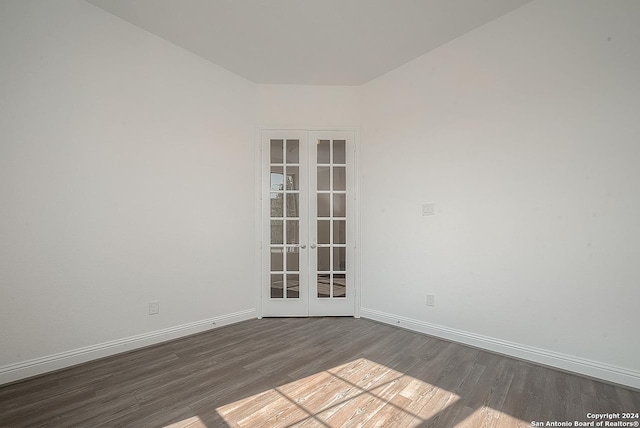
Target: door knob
{"x":303,"y":246}
{"x":313,"y":246}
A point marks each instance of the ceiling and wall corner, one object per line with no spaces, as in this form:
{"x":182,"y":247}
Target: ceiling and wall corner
{"x":326,"y":42}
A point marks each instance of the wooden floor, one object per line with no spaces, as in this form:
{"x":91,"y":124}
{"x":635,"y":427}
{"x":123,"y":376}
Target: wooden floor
{"x":329,"y":372}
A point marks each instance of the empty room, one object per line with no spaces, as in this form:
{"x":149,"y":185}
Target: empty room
{"x":332,"y":213}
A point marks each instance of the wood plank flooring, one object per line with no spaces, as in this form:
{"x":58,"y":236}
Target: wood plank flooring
{"x":308,"y":372}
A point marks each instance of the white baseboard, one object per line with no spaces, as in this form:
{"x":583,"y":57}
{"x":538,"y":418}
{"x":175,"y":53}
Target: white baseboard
{"x":25,"y":369}
{"x":566,"y":362}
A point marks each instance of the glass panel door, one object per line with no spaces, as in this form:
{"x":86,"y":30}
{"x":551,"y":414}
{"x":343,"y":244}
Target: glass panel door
{"x":308,"y":234}
{"x":331,"y":237}
{"x":284,"y":223}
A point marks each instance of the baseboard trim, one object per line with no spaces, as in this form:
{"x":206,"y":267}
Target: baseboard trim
{"x":37,"y":366}
{"x":595,"y":369}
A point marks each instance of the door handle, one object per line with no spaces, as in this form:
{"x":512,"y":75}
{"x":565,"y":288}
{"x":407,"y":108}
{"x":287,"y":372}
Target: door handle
{"x":312,"y":246}
{"x":303,"y":246}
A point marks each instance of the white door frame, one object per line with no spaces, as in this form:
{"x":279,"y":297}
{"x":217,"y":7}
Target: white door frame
{"x":259,"y":232}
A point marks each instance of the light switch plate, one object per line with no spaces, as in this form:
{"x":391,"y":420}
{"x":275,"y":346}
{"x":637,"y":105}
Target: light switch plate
{"x":428,"y":209}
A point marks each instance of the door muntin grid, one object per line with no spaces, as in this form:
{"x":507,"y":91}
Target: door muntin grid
{"x":331,"y":218}
{"x":285,"y":210}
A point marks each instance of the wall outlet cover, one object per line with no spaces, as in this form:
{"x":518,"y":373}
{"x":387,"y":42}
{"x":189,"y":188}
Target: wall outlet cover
{"x":154,"y":307}
{"x":431,"y":300}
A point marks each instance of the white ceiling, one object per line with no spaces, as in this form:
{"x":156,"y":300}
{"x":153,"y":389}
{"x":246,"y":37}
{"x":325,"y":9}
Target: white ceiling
{"x":314,"y":42}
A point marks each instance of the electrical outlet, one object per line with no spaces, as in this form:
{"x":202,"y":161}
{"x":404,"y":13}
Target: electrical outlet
{"x":431,"y":300}
{"x":154,"y":307}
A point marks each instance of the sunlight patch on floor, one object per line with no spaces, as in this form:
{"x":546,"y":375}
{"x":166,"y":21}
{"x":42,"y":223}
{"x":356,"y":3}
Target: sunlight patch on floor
{"x":193,"y":422}
{"x":486,"y":416}
{"x":360,"y":392}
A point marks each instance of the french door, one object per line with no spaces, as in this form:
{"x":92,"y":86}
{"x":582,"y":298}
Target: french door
{"x":308,"y":218}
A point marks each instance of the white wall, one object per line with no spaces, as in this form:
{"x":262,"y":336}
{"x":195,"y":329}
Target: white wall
{"x":126,"y":175}
{"x":302,"y":106}
{"x":526,"y":135}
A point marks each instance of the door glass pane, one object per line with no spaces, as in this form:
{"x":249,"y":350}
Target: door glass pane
{"x":339,"y":178}
{"x":293,"y":178}
{"x":293,"y":232}
{"x":339,"y":152}
{"x":339,"y":205}
{"x":324,"y":207}
{"x":339,"y":232}
{"x":276,"y":178}
{"x":276,"y":151}
{"x":339,"y":259}
{"x":293,"y":208}
{"x":293,"y":151}
{"x":276,"y":231}
{"x":323,"y":232}
{"x":293,"y":259}
{"x":293,"y":286}
{"x":324,"y":151}
{"x":276,"y":205}
{"x":324,"y":178}
{"x":276,"y":285}
{"x":324,"y":259}
{"x":276,"y":259}
{"x":324,"y":282}
{"x":339,"y":285}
